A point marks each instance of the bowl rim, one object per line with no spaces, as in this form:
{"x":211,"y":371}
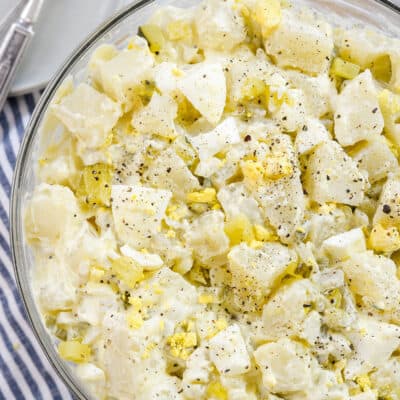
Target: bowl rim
{"x":33,"y":314}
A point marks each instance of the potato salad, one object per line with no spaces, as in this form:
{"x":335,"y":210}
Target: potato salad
{"x":217,"y":209}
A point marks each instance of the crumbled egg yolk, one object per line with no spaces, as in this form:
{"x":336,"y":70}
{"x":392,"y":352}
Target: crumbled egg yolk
{"x":239,"y":229}
{"x":264,"y":234}
{"x":384,"y":239}
{"x":277,"y":167}
{"x":74,"y":351}
{"x":206,"y":299}
{"x":274,"y":167}
{"x":134,"y":317}
{"x":176,"y":212}
{"x":253,"y":172}
{"x":180,"y":343}
{"x":208,"y":195}
{"x":127,"y":271}
{"x":149,"y":348}
{"x":219,"y":325}
{"x":215,"y":390}
{"x":364,"y":382}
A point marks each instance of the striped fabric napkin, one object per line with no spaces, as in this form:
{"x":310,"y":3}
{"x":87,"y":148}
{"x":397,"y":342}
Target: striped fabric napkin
{"x":25,"y":372}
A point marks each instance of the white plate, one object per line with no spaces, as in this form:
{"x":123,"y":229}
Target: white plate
{"x":63,"y":24}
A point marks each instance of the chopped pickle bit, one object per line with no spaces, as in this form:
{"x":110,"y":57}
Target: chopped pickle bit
{"x":186,"y":114}
{"x":389,"y":102}
{"x":207,"y":195}
{"x":335,"y":298}
{"x":127,"y":271}
{"x":239,"y":229}
{"x":344,"y":69}
{"x":253,"y":171}
{"x":145,"y":91}
{"x":95,"y":184}
{"x":381,"y":68}
{"x":74,"y":351}
{"x":384,"y":239}
{"x":179,"y":30}
{"x":154,"y":36}
{"x":216,"y":391}
{"x":180,"y":343}
{"x":198,"y":274}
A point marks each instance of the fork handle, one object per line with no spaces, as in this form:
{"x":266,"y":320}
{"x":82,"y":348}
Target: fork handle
{"x":11,"y":52}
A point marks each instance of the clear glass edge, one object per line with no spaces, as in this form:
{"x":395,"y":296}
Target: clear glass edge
{"x":15,"y":228}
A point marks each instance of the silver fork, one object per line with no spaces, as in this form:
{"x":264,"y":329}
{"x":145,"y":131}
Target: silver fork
{"x":14,"y":44}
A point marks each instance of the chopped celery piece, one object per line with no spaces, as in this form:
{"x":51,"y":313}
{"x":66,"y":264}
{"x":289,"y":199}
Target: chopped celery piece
{"x":154,"y":36}
{"x":381,"y":68}
{"x":74,"y":351}
{"x":344,"y":69}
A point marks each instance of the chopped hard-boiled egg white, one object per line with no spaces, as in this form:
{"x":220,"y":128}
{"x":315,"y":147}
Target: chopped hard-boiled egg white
{"x":345,"y":244}
{"x":216,"y":213}
{"x":143,"y":258}
{"x":205,"y":87}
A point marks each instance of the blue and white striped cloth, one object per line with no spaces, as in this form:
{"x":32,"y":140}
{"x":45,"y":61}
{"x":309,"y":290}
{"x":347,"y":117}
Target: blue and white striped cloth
{"x":25,"y":372}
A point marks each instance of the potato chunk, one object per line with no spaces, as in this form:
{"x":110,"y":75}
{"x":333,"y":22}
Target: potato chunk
{"x":376,"y":158}
{"x":137,"y":213}
{"x":333,"y":176}
{"x":357,"y":114}
{"x":285,"y":366}
{"x":388,"y":210}
{"x":374,"y":278}
{"x":88,"y":114}
{"x":258,"y":269}
{"x":299,"y":43}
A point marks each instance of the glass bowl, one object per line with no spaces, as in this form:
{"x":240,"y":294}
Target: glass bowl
{"x":379,"y":14}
